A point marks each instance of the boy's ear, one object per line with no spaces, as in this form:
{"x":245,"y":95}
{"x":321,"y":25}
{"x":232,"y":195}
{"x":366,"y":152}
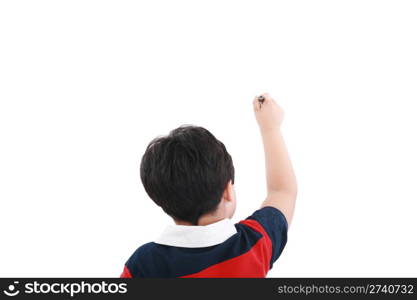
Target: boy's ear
{"x":228,"y":191}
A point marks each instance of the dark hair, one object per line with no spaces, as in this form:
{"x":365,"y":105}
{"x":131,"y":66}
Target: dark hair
{"x":186,"y":172}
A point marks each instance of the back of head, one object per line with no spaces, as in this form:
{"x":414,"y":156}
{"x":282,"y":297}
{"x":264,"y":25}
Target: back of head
{"x":186,"y":172}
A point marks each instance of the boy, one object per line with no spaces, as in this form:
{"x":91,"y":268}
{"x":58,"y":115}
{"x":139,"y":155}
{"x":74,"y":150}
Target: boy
{"x":190,"y":175}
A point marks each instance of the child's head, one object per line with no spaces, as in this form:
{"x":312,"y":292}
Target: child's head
{"x":189,"y":173}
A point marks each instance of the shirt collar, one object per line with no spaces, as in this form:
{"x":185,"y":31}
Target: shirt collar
{"x":197,"y":236}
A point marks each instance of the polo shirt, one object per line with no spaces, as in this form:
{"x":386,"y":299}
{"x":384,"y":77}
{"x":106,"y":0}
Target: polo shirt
{"x":222,"y":249}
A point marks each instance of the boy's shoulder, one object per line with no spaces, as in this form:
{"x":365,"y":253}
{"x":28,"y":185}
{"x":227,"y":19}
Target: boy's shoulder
{"x":145,"y":251}
{"x":260,"y":238}
{"x":142,"y":257}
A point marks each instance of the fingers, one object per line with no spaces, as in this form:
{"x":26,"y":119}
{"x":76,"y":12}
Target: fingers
{"x":267,"y":97}
{"x":257,"y":105}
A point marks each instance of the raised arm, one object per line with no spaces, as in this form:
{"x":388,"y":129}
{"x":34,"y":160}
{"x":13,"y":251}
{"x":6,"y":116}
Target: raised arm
{"x":280,"y":177}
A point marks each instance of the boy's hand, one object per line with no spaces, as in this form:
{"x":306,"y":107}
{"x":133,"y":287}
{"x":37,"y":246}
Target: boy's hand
{"x":269,"y":114}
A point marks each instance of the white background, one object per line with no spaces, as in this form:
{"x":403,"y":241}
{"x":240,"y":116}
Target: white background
{"x":85,"y":85}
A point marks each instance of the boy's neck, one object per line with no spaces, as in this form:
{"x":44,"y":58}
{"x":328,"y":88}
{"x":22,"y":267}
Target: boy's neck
{"x":204,"y":220}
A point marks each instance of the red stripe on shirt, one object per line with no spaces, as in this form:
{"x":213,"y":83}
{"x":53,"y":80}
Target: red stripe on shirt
{"x":254,"y":263}
{"x":126,"y":273}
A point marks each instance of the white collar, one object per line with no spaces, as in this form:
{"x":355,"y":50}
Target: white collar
{"x":197,"y":236}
